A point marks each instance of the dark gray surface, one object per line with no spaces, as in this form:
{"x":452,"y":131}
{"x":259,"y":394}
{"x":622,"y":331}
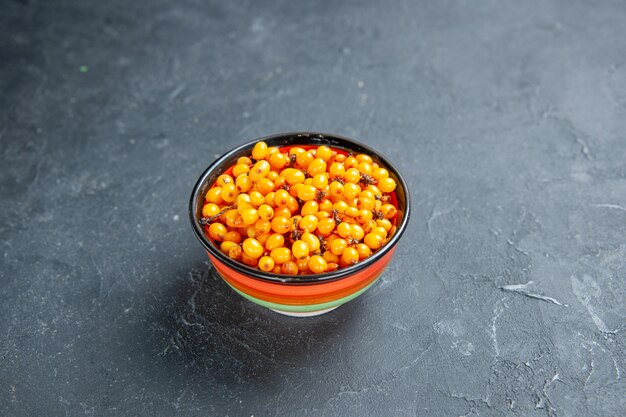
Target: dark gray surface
{"x":507,"y":118}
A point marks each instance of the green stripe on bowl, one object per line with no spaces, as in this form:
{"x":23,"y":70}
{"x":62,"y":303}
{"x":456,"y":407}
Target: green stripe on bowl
{"x":303,"y":308}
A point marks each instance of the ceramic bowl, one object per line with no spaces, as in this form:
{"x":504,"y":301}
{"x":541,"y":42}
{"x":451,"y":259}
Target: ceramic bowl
{"x":306,"y":295}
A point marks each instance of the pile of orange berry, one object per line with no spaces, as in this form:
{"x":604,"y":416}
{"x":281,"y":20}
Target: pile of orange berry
{"x":302,"y":211}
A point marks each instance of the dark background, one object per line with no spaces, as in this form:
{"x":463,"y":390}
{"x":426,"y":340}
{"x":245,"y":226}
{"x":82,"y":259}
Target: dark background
{"x":507,"y":118}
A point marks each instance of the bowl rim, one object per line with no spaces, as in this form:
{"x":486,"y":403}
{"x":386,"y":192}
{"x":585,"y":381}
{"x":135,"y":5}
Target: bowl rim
{"x":290,"y":279}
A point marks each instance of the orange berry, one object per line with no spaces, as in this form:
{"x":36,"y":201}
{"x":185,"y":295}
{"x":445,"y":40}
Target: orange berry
{"x":311,"y":240}
{"x":317,"y":264}
{"x":264,"y":186}
{"x":337,"y":246}
{"x":281,"y":198}
{"x":278,"y":161}
{"x":317,"y":166}
{"x":351,"y":212}
{"x":365,"y":168}
{"x":248,"y":260}
{"x":384,"y":223}
{"x":259,"y":170}
{"x":310,"y":207}
{"x":336,"y":189}
{"x":277,"y":269}
{"x":292,"y":205}
{"x":299,"y":249}
{"x":281,"y":224}
{"x":240,"y":169}
{"x":307,"y":192}
{"x":330,"y":257}
{"x":308,"y":223}
{"x":229,"y":192}
{"x":249,"y":216}
{"x":274,"y":241}
{"x":244,"y":160}
{"x":224,"y":179}
{"x":388,"y":211}
{"x":252,"y":248}
{"x":296,"y":150}
{"x":262,"y":226}
{"x":265,"y":211}
{"x":364,"y":216}
{"x":320,"y":181}
{"x":289,"y":268}
{"x":217,"y":231}
{"x":340,"y":206}
{"x":269,"y":199}
{"x":380,"y":173}
{"x":232,"y":236}
{"x":379,"y":231}
{"x":303,"y":264}
{"x":336,"y":170}
{"x":293,"y":176}
{"x":324,"y":153}
{"x":340,"y":157}
{"x":343,"y":229}
{"x":349,"y":256}
{"x":326,"y":226}
{"x":351,"y":162}
{"x":366,"y":203}
{"x":356,"y":232}
{"x":303,"y":159}
{"x":373,"y":240}
{"x":210,"y":210}
{"x":214,"y":195}
{"x":323,"y":215}
{"x":352,"y":175}
{"x":364,"y":158}
{"x":280,"y":255}
{"x":282,"y":211}
{"x":272,"y":176}
{"x":326,"y":205}
{"x":363,"y":250}
{"x":266,"y":263}
{"x":259,"y":151}
{"x":386,"y":185}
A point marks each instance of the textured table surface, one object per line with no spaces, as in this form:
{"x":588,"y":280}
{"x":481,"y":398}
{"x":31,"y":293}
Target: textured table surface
{"x":506,"y":295}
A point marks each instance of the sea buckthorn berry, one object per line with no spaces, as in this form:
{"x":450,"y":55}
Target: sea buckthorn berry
{"x":226,"y":246}
{"x":292,"y":205}
{"x":259,"y":151}
{"x":264,"y":186}
{"x":336,"y":189}
{"x":296,"y":150}
{"x":375,"y":190}
{"x":251,"y":232}
{"x":326,"y":226}
{"x":337,"y":246}
{"x":240,"y":169}
{"x":343,"y":229}
{"x":350,"y":256}
{"x":229,"y":192}
{"x":289,"y":268}
{"x":364,"y":158}
{"x":352,"y":175}
{"x":320,"y":181}
{"x":217,"y":231}
{"x":312,"y":241}
{"x":303,"y":264}
{"x":369,"y":226}
{"x":363,"y":250}
{"x":324,"y":152}
{"x":281,"y":224}
{"x":330,"y":257}
{"x":351,"y":212}
{"x":281,"y":198}
{"x":373,"y":240}
{"x":365,"y":168}
{"x":310,"y":207}
{"x":308,"y":223}
{"x":340,"y":206}
{"x":214,"y":195}
{"x":356,"y":232}
{"x":351,"y":162}
{"x":269,"y":199}
{"x":281,"y":255}
{"x":308,"y":181}
{"x":232,"y":236}
{"x":317,"y":166}
{"x":340,"y":157}
{"x":278,"y":161}
{"x":294,"y":176}
{"x":323,"y":215}
{"x":248,"y":260}
{"x":366,"y":194}
{"x":332,"y":266}
{"x":364,"y":216}
{"x":317,"y":264}
{"x":274,"y":241}
{"x":377,"y":205}
{"x":299,"y":249}
{"x":266,"y":263}
{"x":388,"y":211}
{"x":233,"y":218}
{"x":259,"y":170}
{"x":386,"y":185}
{"x":280,"y":182}
{"x":234,"y":251}
{"x":366,"y":203}
{"x":282,"y":211}
{"x":262,"y":226}
{"x":326,"y":205}
{"x":303,"y":159}
{"x":380,"y":231}
{"x":277,"y":269}
{"x":252,"y":248}
{"x":271,"y":151}
{"x":384,"y":223}
{"x":307,"y":192}
{"x":380,"y":173}
{"x":244,"y":160}
{"x":210,"y":210}
{"x":272,"y":176}
{"x":224,"y":179}
{"x":336,"y":170}
{"x":265,"y":211}
{"x":262,"y":238}
{"x":351,"y":191}
{"x":243,"y":183}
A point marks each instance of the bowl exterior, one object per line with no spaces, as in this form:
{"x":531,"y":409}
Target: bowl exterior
{"x":310,"y":299}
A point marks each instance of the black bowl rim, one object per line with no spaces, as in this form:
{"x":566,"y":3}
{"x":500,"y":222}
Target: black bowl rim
{"x":305,"y":279}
